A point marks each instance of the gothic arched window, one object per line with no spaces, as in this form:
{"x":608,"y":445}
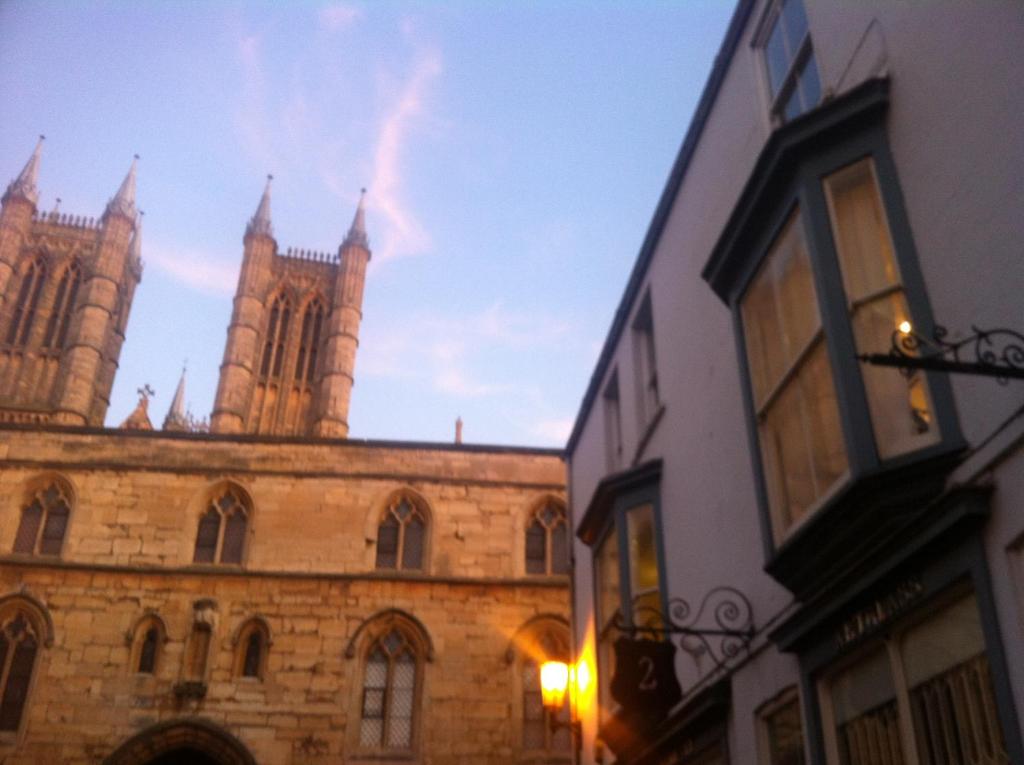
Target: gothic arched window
{"x":220,"y":537}
{"x":19,"y":646}
{"x":27,"y":302}
{"x":402,"y":535}
{"x":147,"y":641}
{"x":44,"y":519}
{"x":309,"y":342}
{"x":390,"y":693}
{"x":545,"y":639}
{"x":547,"y":540}
{"x":63,"y":306}
{"x":277,"y":335}
{"x":252,"y":644}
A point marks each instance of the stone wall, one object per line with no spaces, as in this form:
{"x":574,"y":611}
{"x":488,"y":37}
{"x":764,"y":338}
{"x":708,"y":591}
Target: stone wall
{"x":308,"y":572}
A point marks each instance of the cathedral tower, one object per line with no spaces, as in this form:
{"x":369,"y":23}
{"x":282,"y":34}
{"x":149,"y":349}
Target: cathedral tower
{"x":66,"y":287}
{"x":290,"y":353}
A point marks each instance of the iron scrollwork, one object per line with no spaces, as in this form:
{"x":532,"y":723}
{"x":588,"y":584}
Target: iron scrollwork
{"x":997,"y":353}
{"x":721,"y":627}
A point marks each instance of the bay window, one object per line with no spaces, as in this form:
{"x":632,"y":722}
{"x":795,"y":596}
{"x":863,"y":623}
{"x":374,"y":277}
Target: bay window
{"x":817,"y":262}
{"x":622,"y":527}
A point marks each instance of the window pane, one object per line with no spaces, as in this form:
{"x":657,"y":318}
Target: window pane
{"x":536,"y":553}
{"x":28,"y":528}
{"x":809,"y":84}
{"x":253,"y":649}
{"x":780,"y":310}
{"x":643,"y":564}
{"x":560,"y":549}
{"x":861,"y":231}
{"x":53,"y":529}
{"x":901,"y":410}
{"x":776,"y":57}
{"x":951,"y":695}
{"x":801,"y":441}
{"x":412,"y":544}
{"x":371,"y":731}
{"x":794,"y":19}
{"x":18,"y":676}
{"x":608,"y":593}
{"x":785,"y":735}
{"x":147,"y":655}
{"x":206,"y":537}
{"x":234,"y":538}
{"x":867,"y":720}
{"x":387,"y":543}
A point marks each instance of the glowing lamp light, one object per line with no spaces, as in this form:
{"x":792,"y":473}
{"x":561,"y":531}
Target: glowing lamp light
{"x":554,"y":682}
{"x":905,"y":327}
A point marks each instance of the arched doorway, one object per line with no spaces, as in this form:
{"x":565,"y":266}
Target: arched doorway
{"x":192,"y":741}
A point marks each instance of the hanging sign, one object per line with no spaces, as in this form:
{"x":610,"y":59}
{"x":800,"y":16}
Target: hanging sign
{"x":645,"y":681}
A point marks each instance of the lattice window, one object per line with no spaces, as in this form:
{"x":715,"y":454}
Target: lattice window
{"x":277,"y":335}
{"x":63,"y":307}
{"x":19,"y":645}
{"x":27,"y":303}
{"x":43,"y":522}
{"x":401,"y":536}
{"x":220,"y":537}
{"x":309,"y":342}
{"x":547,"y":541}
{"x":390,"y":687}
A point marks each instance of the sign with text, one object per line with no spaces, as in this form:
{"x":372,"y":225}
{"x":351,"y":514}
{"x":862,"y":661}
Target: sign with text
{"x":645,"y":681}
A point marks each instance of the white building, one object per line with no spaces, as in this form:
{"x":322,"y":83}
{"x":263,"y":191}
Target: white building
{"x":851,"y":166}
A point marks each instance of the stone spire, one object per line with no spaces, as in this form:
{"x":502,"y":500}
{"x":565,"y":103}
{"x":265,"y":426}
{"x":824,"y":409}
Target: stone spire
{"x":260,"y":223}
{"x":136,"y":251}
{"x":24,"y":185}
{"x":123,"y":202}
{"x":176,"y":418}
{"x":357,"y":231}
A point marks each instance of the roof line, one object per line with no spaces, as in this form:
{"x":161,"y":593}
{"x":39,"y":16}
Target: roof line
{"x":661,"y":212}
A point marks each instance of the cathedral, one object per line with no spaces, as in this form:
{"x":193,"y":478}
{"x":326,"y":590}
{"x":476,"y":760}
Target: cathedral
{"x":262,"y":589}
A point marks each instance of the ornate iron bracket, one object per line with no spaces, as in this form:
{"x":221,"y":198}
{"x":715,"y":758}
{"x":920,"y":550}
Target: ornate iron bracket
{"x":721,"y":627}
{"x":997,"y":353}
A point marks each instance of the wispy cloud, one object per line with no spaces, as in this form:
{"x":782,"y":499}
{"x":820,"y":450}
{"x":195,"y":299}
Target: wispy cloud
{"x":404,"y":234}
{"x":251,"y":117}
{"x":338,"y":16}
{"x":193,"y":269}
{"x":450,"y":365}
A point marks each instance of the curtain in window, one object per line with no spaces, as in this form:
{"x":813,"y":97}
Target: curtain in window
{"x":901,"y":409}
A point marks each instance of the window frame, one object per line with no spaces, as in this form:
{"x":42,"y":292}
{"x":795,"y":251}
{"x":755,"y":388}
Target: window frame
{"x":605,"y":520}
{"x":136,"y":639}
{"x":797,"y":63}
{"x":612,"y":413}
{"x":645,"y":362}
{"x":34,"y":492}
{"x":362,"y":643}
{"x":890,"y":642}
{"x":791,"y":171}
{"x":763,"y":713}
{"x":419,"y":507}
{"x":532,"y":517}
{"x":42,"y":625}
{"x":255,"y":625}
{"x":211,"y":500}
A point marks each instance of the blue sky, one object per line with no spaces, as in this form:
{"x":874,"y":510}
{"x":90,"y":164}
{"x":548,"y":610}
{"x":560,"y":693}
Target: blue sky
{"x":513,"y":155}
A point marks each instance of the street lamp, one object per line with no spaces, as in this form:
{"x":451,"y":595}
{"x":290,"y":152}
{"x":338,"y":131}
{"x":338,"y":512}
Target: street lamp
{"x":555,"y":680}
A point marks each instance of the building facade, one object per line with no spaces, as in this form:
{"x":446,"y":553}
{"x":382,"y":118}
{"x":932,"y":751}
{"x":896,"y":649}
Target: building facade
{"x":832,"y":548}
{"x":262,"y":590}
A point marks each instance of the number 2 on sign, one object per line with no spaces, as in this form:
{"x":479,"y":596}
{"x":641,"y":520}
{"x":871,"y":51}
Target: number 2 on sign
{"x":648,"y":683}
